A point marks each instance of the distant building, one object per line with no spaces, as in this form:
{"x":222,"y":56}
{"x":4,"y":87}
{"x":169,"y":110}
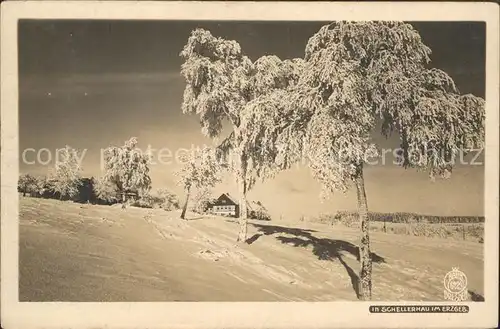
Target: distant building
{"x":225,"y":205}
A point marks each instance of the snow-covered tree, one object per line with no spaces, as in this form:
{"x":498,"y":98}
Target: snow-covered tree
{"x":201,"y":169}
{"x":439,"y":123}
{"x":26,"y":184}
{"x":169,"y":199}
{"x":354,"y":73}
{"x":105,"y":190}
{"x":46,"y":187}
{"x":221,"y":84}
{"x":202,"y":200}
{"x":365,"y":70}
{"x":126,"y":170}
{"x":40,"y":187}
{"x":67,"y":174}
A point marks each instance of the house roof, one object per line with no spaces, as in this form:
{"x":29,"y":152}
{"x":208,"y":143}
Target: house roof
{"x":230,"y":197}
{"x":224,"y":198}
{"x":234,"y":200}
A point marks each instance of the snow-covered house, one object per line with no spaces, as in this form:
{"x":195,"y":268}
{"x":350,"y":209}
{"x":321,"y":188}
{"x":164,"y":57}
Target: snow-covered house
{"x":225,"y":205}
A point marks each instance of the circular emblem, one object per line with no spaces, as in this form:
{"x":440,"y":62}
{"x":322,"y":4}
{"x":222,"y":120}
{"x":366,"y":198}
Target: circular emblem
{"x":455,"y":285}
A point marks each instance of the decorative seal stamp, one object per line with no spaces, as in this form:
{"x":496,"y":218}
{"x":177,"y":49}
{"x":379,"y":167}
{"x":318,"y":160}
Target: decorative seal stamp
{"x":455,"y":285}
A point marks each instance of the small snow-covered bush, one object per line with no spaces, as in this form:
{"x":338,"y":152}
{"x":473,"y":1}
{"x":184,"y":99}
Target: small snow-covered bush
{"x":258,"y":211}
{"x":161,"y":199}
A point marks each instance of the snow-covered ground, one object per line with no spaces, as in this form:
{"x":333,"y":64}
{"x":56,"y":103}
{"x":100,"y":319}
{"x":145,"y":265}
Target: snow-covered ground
{"x":75,"y":252}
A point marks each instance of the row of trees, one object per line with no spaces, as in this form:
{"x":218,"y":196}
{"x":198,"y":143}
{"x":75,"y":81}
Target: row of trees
{"x":354,"y":78}
{"x":64,"y":181}
{"x":126,"y":174}
{"x":47,"y":187}
{"x":91,"y":190}
{"x":126,"y":179}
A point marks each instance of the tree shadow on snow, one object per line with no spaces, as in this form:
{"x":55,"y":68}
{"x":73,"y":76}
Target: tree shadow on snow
{"x":253,"y":238}
{"x":323,"y":248}
{"x":476,"y":297}
{"x":194,"y":218}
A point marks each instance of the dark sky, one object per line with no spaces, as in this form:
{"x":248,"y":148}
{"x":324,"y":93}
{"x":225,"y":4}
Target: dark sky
{"x":92,"y":83}
{"x":69,"y":47}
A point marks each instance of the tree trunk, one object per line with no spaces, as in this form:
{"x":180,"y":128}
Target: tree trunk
{"x":124,"y":200}
{"x":184,"y":209}
{"x":365,"y":272}
{"x":243,"y":211}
